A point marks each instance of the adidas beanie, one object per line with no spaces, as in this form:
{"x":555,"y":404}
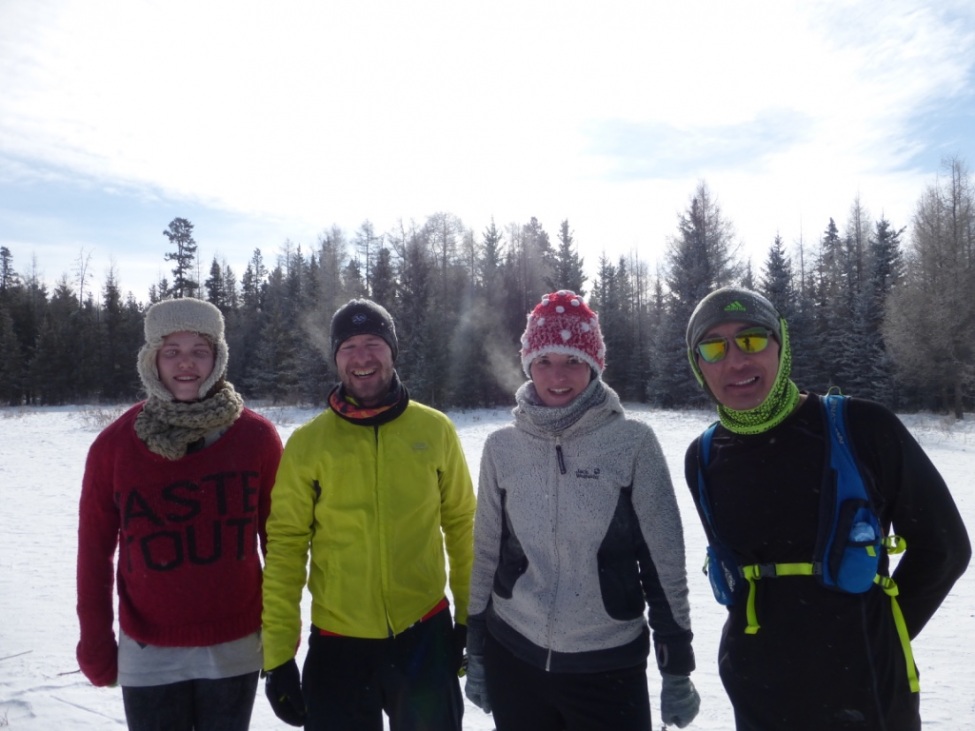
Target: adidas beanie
{"x":362,"y":317}
{"x":731,"y":304}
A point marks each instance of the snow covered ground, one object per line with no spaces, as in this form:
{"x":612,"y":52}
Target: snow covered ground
{"x":42,"y":454}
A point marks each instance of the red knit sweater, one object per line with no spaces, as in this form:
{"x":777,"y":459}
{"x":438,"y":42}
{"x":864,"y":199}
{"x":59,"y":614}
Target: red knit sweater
{"x":186,"y":534}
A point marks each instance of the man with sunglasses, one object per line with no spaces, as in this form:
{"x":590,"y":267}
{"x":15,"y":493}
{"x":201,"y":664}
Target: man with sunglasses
{"x":799,"y":654}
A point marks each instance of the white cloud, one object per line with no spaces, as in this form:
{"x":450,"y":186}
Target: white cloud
{"x":310,"y":113}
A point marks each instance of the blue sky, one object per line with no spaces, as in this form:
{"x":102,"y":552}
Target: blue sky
{"x":269,"y":123}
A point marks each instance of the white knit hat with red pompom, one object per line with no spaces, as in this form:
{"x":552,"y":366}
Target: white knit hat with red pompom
{"x":563,"y":323}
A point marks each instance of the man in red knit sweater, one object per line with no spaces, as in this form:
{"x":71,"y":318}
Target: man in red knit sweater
{"x":178,"y":490}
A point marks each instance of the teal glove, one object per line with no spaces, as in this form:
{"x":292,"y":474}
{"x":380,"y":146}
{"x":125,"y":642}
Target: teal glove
{"x":679,"y":701}
{"x":476,"y":687}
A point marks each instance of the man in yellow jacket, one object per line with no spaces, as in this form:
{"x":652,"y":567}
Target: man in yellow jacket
{"x":376,"y":486}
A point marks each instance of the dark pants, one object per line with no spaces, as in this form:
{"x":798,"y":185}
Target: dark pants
{"x":527,"y":698}
{"x":348,"y":683}
{"x":192,"y":705}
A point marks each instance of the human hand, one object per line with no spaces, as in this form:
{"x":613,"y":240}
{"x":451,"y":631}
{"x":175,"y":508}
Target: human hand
{"x":679,"y":701}
{"x":283,"y":688}
{"x":476,"y":687}
{"x":98,"y":660}
{"x":458,"y":642}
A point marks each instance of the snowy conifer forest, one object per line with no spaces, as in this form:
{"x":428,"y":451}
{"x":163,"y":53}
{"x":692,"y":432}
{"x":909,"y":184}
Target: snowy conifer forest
{"x":879,"y":309}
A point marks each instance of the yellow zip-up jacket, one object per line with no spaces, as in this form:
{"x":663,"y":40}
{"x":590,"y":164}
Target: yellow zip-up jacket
{"x":377,"y":505}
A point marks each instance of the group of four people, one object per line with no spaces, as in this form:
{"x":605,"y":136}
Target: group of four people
{"x":561,"y":573}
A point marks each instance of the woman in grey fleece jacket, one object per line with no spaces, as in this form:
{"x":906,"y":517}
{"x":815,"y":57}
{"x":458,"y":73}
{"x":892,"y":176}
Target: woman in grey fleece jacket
{"x":577,"y":531}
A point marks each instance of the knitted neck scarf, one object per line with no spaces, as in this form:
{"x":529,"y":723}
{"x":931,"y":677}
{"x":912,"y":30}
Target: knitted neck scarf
{"x":168,"y":428}
{"x":556,"y":419}
{"x":780,"y":402}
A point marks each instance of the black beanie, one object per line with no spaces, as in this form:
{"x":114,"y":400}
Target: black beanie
{"x":731,"y":304}
{"x":362,"y":317}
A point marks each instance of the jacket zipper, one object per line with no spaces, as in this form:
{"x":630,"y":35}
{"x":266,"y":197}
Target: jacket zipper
{"x":561,"y":460}
{"x":382,"y":559}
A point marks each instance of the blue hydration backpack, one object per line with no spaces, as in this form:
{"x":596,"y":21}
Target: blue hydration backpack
{"x":848,"y":546}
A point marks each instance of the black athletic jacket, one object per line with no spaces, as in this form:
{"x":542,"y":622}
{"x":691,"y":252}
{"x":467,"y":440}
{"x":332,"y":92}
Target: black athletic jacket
{"x":824,"y":659}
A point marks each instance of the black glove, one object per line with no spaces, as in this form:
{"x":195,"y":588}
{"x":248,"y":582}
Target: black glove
{"x":283,"y":688}
{"x":458,"y":641}
{"x":476,"y":686}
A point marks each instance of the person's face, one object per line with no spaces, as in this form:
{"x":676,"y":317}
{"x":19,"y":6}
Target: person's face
{"x":365,"y":366}
{"x":184,"y":361}
{"x":559,"y":378}
{"x":740,"y":380}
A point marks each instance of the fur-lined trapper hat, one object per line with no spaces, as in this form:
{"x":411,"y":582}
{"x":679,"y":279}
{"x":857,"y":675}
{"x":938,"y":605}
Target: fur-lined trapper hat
{"x":181,"y":315}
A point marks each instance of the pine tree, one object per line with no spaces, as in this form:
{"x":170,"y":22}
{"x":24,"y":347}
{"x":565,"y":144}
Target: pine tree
{"x":872,"y":374}
{"x":566,"y":264}
{"x":352,"y":279}
{"x":777,"y":280}
{"x":275,"y":372}
{"x":231,"y":294}
{"x":121,"y":338}
{"x":850,"y":370}
{"x":700,"y":259}
{"x":28,"y":306}
{"x":11,"y":353}
{"x":532,"y":252}
{"x":245,"y":337}
{"x":216,"y":293}
{"x":383,"y":285}
{"x":312,"y":354}
{"x":53,"y":366}
{"x":8,"y":277}
{"x":253,"y":282}
{"x":332,"y":251}
{"x":180,"y":235}
{"x":611,"y":300}
{"x":657,"y":318}
{"x":832,"y":312}
{"x":501,"y":324}
{"x":470,"y":376}
{"x":415,"y":333}
{"x":86,"y":385}
{"x":11,"y":363}
{"x":779,"y":286}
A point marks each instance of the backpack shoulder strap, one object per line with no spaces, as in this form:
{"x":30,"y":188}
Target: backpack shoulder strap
{"x":845,"y":501}
{"x":721,"y":565}
{"x":840,"y":455}
{"x":703,"y":458}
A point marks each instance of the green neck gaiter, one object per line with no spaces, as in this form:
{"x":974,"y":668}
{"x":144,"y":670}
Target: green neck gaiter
{"x":779,"y":403}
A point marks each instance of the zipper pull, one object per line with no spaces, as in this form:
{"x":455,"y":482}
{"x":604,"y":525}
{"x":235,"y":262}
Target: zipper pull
{"x":558,"y":453}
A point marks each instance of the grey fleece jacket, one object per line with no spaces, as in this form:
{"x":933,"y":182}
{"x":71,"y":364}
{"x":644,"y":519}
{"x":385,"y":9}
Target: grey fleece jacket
{"x":574,"y":535}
